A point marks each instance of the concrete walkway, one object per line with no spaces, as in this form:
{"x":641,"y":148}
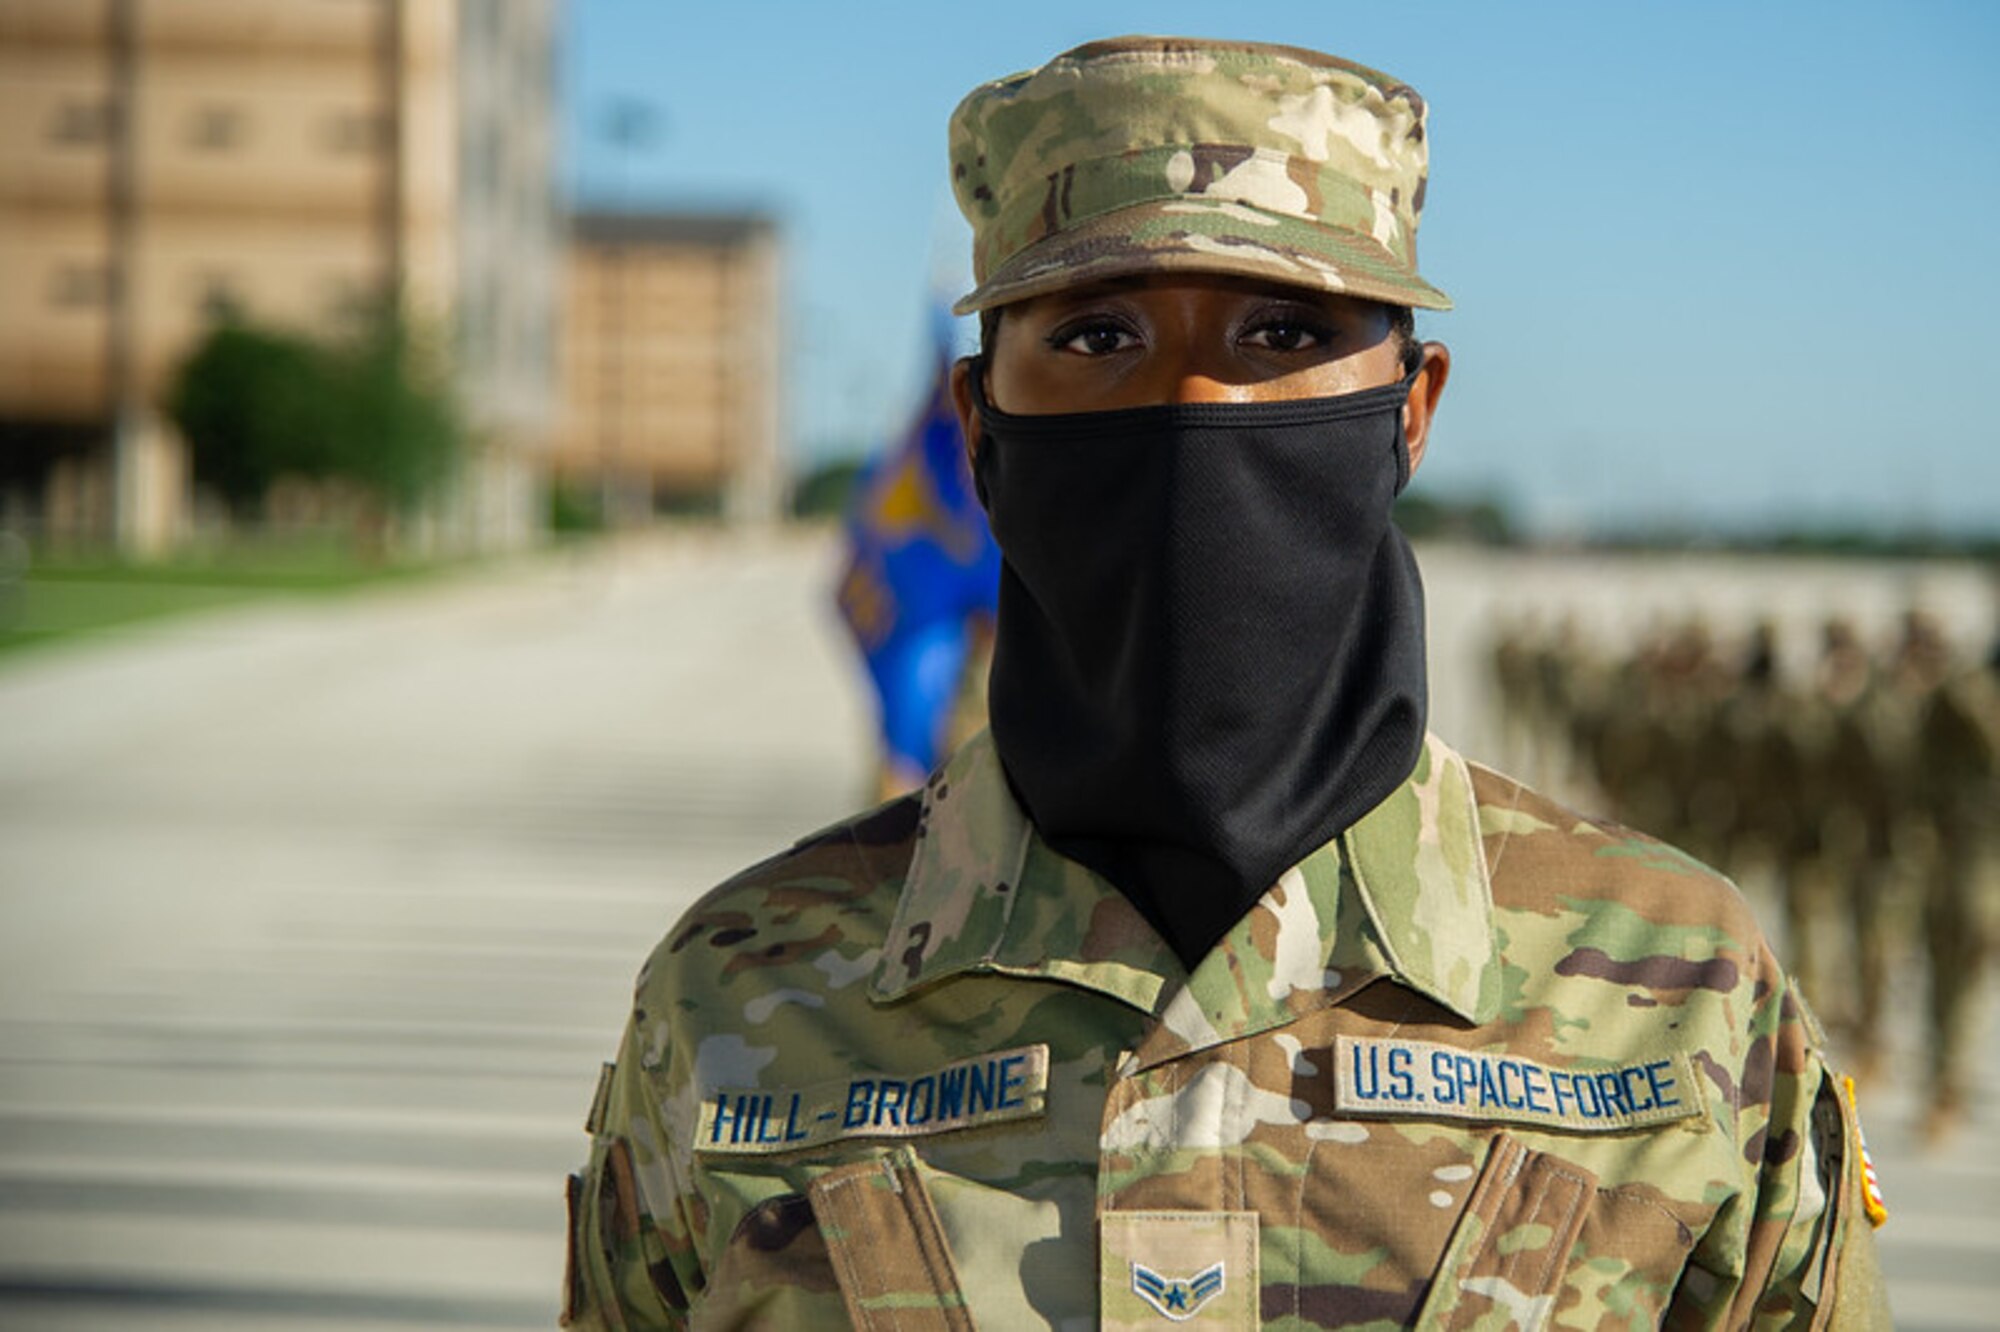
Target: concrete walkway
{"x":315,"y":923}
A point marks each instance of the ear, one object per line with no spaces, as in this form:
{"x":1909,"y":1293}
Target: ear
{"x":1421,"y":406}
{"x":962,"y":371}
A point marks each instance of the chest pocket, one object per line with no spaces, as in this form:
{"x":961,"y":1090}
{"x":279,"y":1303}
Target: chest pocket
{"x":1508,"y":1253}
{"x":1525,"y":1240}
{"x":863,"y":1240}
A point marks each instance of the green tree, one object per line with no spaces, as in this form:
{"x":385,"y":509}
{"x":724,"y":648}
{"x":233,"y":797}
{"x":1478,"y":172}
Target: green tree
{"x":827,"y":490}
{"x":397,"y":431}
{"x":374,"y":408}
{"x":251,"y":403}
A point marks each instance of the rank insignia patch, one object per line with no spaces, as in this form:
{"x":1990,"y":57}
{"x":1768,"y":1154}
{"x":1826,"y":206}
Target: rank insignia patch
{"x":1194,"y":1269}
{"x":1178,"y":1298}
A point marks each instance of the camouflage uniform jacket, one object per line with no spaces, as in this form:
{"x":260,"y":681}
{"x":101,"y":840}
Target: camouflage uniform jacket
{"x":1478,"y":1062}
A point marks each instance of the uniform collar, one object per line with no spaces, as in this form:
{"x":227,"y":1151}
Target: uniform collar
{"x":1402,"y":893}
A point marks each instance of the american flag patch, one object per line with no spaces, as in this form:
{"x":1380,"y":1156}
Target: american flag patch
{"x":1871,"y":1191}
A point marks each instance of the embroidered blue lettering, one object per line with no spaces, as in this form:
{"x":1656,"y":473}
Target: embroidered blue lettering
{"x":1489,"y":1093}
{"x":889,"y":1102}
{"x":1442,"y":1085}
{"x":793,"y":1133}
{"x":979,"y":1087}
{"x":951,"y":1093}
{"x":1368,"y":1076}
{"x":721,"y":1117}
{"x":918,"y":1104}
{"x":1613,"y":1093}
{"x":1512,"y":1100}
{"x":1537,"y":1084}
{"x":1660,"y":1084}
{"x":1391,"y":1075}
{"x":1402,"y":1086}
{"x":767,"y":1130}
{"x":1002,"y":1086}
{"x":1011,"y":1081}
{"x":1559,"y":1084}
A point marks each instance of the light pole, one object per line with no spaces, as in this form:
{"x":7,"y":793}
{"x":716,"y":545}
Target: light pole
{"x":121,"y":354}
{"x":630,"y":126}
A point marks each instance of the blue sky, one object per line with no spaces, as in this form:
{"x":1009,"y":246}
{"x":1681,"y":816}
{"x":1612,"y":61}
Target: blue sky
{"x":1716,"y":265}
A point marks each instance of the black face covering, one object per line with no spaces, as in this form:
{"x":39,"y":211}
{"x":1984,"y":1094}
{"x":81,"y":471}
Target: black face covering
{"x":1210,"y":650}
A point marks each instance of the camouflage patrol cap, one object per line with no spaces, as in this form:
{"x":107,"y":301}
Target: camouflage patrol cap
{"x":1175,"y":154}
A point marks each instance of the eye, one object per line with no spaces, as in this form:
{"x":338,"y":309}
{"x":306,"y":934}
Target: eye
{"x":1095,"y":336}
{"x":1289,"y":331}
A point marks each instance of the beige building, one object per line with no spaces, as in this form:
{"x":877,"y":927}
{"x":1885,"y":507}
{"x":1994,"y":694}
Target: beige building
{"x":508,"y":266}
{"x":670,"y":364}
{"x":168,"y":159}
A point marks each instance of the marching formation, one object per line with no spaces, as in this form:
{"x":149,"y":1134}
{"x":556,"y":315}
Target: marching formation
{"x":1863,"y":787}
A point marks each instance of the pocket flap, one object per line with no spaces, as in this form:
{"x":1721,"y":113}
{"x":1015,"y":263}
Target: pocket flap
{"x":889,"y":1253}
{"x":1507,"y":1257}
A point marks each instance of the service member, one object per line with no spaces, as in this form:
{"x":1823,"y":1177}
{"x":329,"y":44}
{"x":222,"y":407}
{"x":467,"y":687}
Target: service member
{"x":1208,"y":988}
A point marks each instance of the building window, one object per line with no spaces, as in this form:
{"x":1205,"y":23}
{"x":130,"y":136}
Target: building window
{"x":353,"y":132}
{"x":81,"y":123}
{"x":79,"y":285}
{"x":216,"y":128}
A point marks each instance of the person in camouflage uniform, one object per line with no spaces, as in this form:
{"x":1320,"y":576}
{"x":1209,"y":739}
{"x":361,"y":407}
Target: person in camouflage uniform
{"x":1867,"y":826}
{"x":1473,"y":1060}
{"x":1956,"y":787}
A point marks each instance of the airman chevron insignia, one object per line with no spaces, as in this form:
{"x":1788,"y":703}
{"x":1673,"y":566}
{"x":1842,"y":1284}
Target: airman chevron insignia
{"x":1177,"y":1298}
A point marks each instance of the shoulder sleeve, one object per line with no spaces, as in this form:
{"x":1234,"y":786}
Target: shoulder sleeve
{"x":632,"y":1259}
{"x":1813,"y":1233}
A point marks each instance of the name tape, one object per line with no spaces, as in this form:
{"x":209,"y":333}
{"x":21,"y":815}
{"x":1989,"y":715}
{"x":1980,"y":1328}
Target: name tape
{"x":1424,"y":1079}
{"x":988,"y":1089}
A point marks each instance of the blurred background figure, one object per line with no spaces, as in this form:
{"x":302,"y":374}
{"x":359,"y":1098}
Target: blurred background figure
{"x":1834,"y":868}
{"x":1957,"y":788}
{"x":919,"y":588}
{"x":1863,"y":794}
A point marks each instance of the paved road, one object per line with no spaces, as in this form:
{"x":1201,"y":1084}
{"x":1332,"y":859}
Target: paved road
{"x":315,"y":922}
